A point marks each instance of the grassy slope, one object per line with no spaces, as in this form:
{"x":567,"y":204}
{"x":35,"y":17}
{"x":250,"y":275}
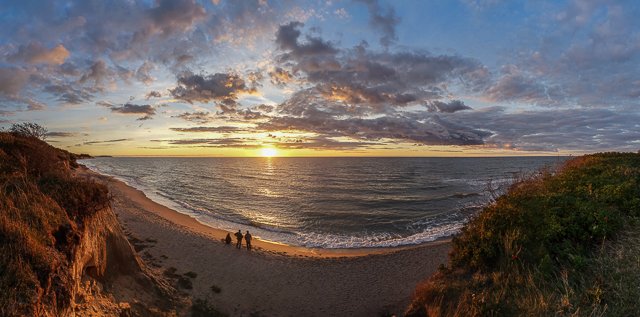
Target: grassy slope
{"x":565,"y":243}
{"x":41,"y":208}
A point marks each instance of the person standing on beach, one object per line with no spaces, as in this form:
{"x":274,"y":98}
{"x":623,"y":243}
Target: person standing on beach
{"x":227,"y":240}
{"x":239,"y":238}
{"x":247,"y":238}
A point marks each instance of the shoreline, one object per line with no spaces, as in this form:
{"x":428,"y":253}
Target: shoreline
{"x":273,"y":279}
{"x":192,"y":224}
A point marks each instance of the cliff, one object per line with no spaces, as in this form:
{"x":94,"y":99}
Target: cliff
{"x":62,"y":251}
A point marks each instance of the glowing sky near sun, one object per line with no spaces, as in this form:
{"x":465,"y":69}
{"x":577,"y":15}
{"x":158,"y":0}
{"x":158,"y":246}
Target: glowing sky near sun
{"x":324,"y":78}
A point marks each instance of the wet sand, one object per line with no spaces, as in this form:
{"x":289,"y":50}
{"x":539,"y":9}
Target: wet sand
{"x":273,"y":279}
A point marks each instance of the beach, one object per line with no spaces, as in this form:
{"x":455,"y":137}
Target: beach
{"x":273,"y":279}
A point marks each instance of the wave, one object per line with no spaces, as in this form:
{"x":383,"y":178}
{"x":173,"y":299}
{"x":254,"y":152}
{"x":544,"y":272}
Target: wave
{"x":320,"y":203}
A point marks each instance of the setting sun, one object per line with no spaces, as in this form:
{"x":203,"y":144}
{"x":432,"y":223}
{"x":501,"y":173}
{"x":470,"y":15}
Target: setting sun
{"x":268,"y":152}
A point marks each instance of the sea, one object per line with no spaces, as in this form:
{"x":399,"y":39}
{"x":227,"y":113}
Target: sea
{"x":346,"y":202}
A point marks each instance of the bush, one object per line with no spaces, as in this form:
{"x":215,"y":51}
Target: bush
{"x":522,"y":252}
{"x":29,"y":129}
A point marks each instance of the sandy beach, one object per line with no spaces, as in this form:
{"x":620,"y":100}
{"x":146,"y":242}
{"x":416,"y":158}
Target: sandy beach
{"x":273,"y":279}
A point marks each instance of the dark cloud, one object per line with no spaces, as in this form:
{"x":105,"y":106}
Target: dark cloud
{"x":105,"y":142}
{"x":221,"y":87}
{"x":287,"y":38}
{"x":220,"y":129}
{"x":153,"y":94}
{"x":369,"y":82}
{"x":449,"y":107}
{"x":322,"y":143}
{"x":170,"y":16}
{"x":148,"y":111}
{"x":197,"y":117}
{"x":384,"y":20}
{"x":57,"y":134}
{"x":217,"y":143}
{"x":425,"y":130}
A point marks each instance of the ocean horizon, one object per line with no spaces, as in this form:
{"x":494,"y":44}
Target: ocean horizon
{"x":325,"y":202}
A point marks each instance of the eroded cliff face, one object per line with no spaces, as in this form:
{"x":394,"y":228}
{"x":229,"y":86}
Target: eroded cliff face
{"x":62,"y":251}
{"x":110,"y":279}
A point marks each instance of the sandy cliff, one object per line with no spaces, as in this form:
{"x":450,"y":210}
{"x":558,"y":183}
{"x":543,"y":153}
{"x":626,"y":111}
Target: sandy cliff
{"x":62,"y":251}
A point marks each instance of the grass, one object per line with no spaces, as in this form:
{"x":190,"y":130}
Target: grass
{"x":559,"y":243}
{"x":42,"y":210}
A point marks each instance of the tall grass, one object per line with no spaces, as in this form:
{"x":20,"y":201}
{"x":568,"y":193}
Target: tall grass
{"x":551,"y":246}
{"x":42,"y":209}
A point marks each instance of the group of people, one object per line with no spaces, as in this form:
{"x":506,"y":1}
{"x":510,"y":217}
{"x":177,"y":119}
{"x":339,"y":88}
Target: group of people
{"x":239,"y":236}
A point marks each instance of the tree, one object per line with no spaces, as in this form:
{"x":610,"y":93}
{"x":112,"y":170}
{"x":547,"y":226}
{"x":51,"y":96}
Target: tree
{"x":29,"y":129}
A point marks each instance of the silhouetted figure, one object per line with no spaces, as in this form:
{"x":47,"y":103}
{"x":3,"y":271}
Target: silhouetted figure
{"x":239,"y":239}
{"x":247,"y":238}
{"x":227,"y":240}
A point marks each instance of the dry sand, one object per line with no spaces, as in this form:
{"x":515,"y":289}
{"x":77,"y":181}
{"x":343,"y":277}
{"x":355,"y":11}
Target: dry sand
{"x":273,"y":279}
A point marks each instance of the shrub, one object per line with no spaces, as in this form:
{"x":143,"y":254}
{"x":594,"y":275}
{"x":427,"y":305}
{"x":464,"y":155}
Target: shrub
{"x":29,"y":129}
{"x":522,"y":253}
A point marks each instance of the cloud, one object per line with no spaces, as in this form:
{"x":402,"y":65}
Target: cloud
{"x":99,"y":73}
{"x":103,"y":142}
{"x":170,"y":16}
{"x":147,"y":111}
{"x":370,"y":82}
{"x":196,"y":116}
{"x":143,"y":73}
{"x":36,"y":53}
{"x":481,"y":4}
{"x":555,"y":129}
{"x":220,"y":129}
{"x":57,"y":134}
{"x":12,"y":83}
{"x":322,"y":143}
{"x":12,"y":80}
{"x":515,"y":85}
{"x":153,"y":94}
{"x":383,"y":20}
{"x":342,"y":13}
{"x":221,"y":87}
{"x":69,"y":94}
{"x":430,"y":130}
{"x":450,"y":107}
{"x":287,"y":39}
{"x":217,"y":143}
{"x":280,"y":77}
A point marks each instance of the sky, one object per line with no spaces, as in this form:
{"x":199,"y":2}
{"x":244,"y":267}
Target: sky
{"x":324,"y":78}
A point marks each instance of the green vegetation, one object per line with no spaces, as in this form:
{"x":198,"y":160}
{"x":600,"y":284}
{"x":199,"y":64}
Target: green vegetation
{"x":42,"y":207}
{"x":564,"y":243}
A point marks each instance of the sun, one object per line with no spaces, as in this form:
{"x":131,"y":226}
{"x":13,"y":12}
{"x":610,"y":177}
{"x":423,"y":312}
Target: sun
{"x":268,"y":152}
